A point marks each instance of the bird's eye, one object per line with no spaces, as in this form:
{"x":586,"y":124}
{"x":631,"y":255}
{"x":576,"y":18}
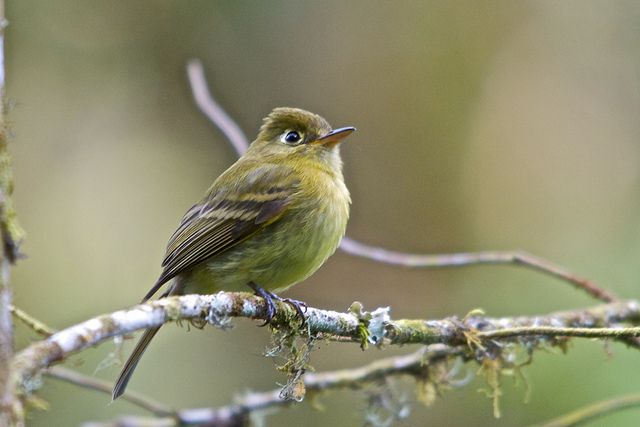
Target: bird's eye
{"x":292,"y":137}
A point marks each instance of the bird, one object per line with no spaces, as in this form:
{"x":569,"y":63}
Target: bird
{"x":268,"y":222}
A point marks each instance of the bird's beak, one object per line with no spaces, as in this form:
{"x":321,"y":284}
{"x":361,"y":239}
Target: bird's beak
{"x":335,"y":137}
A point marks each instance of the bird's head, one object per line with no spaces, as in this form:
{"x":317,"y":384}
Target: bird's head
{"x":291,"y":133}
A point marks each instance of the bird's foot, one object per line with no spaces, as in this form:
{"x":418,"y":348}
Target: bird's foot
{"x":269,"y":297}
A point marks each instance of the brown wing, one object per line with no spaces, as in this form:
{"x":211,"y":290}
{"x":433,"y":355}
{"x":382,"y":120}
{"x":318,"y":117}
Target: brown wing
{"x":225,"y":218}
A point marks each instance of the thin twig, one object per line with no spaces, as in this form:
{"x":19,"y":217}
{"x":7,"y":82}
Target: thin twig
{"x":91,"y":383}
{"x":591,"y":412}
{"x":550,"y":331}
{"x":472,"y":258}
{"x":33,"y":323}
{"x":213,"y":110}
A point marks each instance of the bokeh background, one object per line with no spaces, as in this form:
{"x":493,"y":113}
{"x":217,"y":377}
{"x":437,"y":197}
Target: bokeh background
{"x":481,"y":125}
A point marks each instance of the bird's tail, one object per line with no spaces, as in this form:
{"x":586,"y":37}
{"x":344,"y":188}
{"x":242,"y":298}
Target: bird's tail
{"x":132,"y":362}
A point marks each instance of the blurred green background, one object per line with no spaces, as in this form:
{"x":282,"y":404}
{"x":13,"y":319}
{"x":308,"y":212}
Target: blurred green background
{"x":481,"y":125}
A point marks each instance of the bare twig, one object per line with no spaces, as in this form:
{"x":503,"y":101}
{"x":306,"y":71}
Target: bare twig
{"x":35,"y":324}
{"x":472,"y":258}
{"x":551,"y":331}
{"x":591,"y":412}
{"x":213,"y":110}
{"x":91,"y":383}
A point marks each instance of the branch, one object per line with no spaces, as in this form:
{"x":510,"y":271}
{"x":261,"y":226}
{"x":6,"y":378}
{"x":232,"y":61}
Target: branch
{"x":213,"y":110}
{"x":473,"y":258}
{"x":418,"y":364}
{"x":552,"y":331}
{"x":591,"y":412}
{"x":106,"y":387}
{"x":12,"y":235}
{"x":474,"y":338}
{"x":376,"y":327}
{"x":215,"y":309}
{"x":33,"y":323}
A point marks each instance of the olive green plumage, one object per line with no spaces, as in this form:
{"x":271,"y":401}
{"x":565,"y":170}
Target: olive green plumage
{"x":269,"y":220}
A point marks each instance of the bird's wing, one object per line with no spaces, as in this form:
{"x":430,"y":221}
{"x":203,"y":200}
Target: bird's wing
{"x":225,"y":218}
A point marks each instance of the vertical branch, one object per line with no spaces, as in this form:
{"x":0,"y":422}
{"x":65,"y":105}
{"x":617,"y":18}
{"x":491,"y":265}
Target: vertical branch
{"x":6,"y":326}
{"x":12,"y":235}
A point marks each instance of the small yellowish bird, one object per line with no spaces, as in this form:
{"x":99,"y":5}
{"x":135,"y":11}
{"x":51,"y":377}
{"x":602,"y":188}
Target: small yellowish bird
{"x":269,"y":221}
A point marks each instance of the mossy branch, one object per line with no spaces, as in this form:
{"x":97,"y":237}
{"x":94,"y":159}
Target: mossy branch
{"x":427,"y":365}
{"x":479,"y":336}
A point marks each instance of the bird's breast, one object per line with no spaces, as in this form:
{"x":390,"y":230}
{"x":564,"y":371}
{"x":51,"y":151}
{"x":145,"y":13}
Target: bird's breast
{"x":286,"y":251}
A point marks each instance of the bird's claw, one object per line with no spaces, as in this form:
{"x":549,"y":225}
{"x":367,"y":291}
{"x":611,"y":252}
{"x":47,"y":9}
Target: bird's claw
{"x":299,"y":306}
